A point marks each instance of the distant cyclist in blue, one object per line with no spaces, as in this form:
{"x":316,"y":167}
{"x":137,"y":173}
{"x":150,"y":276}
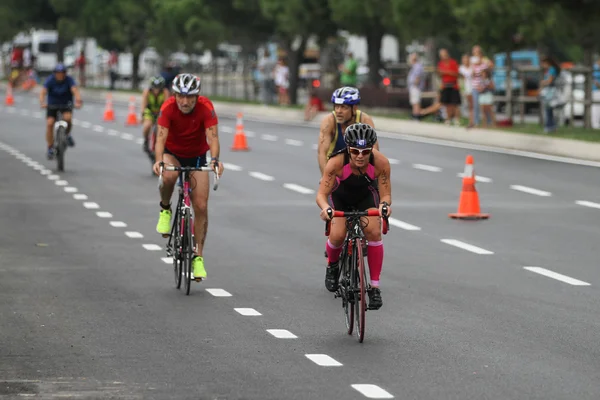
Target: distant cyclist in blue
{"x":60,"y":89}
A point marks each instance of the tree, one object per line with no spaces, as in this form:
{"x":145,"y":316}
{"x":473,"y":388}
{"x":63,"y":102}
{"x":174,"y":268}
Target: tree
{"x":577,"y":17}
{"x":371,"y":19}
{"x":295,"y":22}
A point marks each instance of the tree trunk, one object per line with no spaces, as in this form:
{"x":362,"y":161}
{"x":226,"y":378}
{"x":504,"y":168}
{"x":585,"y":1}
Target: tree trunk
{"x":374,"y":38}
{"x":135,"y":73}
{"x":588,"y":61}
{"x":295,"y":56}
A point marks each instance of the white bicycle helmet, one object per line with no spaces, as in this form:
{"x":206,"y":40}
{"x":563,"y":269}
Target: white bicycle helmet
{"x":186,"y":84}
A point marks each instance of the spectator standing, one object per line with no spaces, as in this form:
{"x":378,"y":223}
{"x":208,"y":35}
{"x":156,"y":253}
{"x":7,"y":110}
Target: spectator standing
{"x":596,"y":95}
{"x":416,"y":83}
{"x":466,"y":73}
{"x":449,"y":94}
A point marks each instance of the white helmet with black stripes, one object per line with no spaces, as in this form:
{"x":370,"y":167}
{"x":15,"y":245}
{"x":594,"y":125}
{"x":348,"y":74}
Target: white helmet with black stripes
{"x":186,"y":84}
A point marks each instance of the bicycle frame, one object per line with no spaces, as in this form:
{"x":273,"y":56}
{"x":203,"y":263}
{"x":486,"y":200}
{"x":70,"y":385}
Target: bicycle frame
{"x":181,"y":252}
{"x":354,"y":276}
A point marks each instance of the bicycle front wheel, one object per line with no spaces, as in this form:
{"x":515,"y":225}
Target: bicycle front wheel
{"x":188,"y":250}
{"x":177,"y":249}
{"x":360,"y":303}
{"x":61,"y":147}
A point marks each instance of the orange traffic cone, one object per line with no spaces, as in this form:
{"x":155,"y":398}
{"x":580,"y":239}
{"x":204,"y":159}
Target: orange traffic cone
{"x":239,"y":140}
{"x":109,"y":113}
{"x":9,"y":101}
{"x":468,"y":205}
{"x":131,"y":116}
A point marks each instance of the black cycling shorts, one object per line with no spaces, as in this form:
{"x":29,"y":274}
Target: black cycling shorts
{"x":354,"y":203}
{"x":199,"y":161}
{"x":52,"y":112}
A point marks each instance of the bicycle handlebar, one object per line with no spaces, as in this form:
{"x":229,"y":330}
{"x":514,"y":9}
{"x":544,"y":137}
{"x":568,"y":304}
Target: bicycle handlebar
{"x":349,"y":214}
{"x":188,"y":169}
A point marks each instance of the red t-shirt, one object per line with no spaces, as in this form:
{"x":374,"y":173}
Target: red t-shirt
{"x":449,"y":65}
{"x":187,"y":132}
{"x":316,"y":102}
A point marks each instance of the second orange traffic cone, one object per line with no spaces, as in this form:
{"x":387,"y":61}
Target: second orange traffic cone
{"x":10,"y":100}
{"x":131,"y":116}
{"x":468,"y":204}
{"x":239,"y":140}
{"x":109,"y":113}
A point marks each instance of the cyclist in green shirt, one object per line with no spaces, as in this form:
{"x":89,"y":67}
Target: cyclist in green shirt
{"x":152,"y":99}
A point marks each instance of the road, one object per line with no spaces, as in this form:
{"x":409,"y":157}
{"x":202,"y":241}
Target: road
{"x":496,"y":309}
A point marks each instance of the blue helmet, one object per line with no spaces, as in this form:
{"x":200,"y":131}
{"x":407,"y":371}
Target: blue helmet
{"x":60,"y":67}
{"x":346,"y":95}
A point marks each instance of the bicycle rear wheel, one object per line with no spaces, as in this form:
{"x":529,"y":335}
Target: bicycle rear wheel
{"x":61,"y":146}
{"x":188,"y":250}
{"x":360,"y":303}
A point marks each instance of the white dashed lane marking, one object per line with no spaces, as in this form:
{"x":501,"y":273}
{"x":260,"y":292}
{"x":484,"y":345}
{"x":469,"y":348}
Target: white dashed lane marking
{"x":425,"y":167}
{"x":261,"y":176}
{"x":98,"y":128}
{"x":113,"y":132}
{"x":466,"y":246}
{"x":282,"y":334}
{"x":323,"y":360}
{"x":372,"y":391}
{"x":527,"y":189}
{"x":587,"y":204}
{"x":80,"y":196}
{"x":152,"y":247}
{"x":61,"y":183}
{"x":293,"y":142}
{"x":403,"y":225}
{"x":298,"y":188}
{"x":269,"y":138}
{"x":557,"y":276}
{"x":127,"y":136}
{"x":248,"y":312}
{"x":104,"y":214}
{"x":167,"y":260}
{"x":91,"y":205}
{"x":219,"y":292}
{"x":118,"y":224}
{"x":53,"y":177}
{"x":134,"y":235}
{"x":232,"y":167}
{"x":70,"y":189}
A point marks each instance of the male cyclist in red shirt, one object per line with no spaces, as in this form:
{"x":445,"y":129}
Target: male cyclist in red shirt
{"x":187,"y":129}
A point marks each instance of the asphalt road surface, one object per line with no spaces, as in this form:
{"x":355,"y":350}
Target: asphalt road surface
{"x":506,"y":308}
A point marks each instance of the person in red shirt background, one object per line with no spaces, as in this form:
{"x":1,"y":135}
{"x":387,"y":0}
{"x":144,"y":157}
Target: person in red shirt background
{"x":314,"y":105}
{"x":187,"y":130}
{"x":449,"y":94}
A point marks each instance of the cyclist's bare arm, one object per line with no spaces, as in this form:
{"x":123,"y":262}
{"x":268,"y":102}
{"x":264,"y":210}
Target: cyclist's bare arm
{"x":76,"y":94}
{"x":367,"y":119}
{"x":43,"y":94}
{"x":327,"y":126}
{"x":332,"y":170}
{"x":145,"y":99}
{"x":212,"y":135}
{"x":382,"y":166}
{"x":161,"y":139}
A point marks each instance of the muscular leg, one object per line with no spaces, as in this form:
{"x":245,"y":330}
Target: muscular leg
{"x":199,"y":182}
{"x":374,"y":249}
{"x":49,"y":134}
{"x":169,"y":180}
{"x":337,"y":234}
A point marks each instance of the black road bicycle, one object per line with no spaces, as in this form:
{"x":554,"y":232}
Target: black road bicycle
{"x":182,"y":243}
{"x":354,"y":281}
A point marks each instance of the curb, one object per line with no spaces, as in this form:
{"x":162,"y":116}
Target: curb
{"x":485,"y":137}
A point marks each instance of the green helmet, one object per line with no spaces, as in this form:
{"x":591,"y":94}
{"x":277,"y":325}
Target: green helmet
{"x":157,"y":82}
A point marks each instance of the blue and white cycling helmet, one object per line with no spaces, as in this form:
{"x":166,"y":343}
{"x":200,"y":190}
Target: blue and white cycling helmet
{"x":346,"y":95}
{"x":60,"y":67}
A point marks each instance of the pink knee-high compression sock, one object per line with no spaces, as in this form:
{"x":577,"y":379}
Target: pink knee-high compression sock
{"x":375,"y":259}
{"x":333,"y":253}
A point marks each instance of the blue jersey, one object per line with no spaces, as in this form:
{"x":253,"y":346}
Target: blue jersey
{"x":59,"y":93}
